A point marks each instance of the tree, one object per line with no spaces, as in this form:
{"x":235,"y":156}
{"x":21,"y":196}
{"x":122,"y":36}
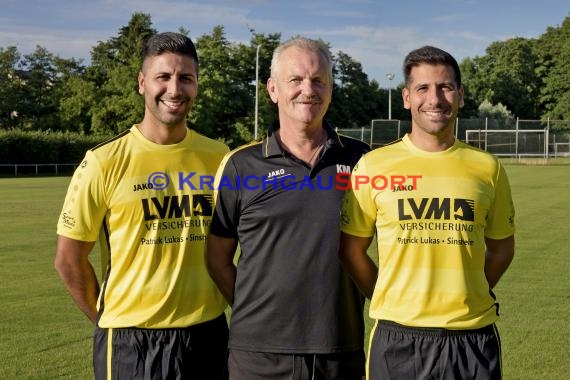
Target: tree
{"x":499,"y":114}
{"x":10,"y":85}
{"x":226,"y":93}
{"x":398,"y":110}
{"x":41,"y":90}
{"x":108,"y":92}
{"x":355,"y":100}
{"x":474,"y":87}
{"x":507,"y":75}
{"x":221,"y":99}
{"x":513,"y":77}
{"x":528,"y":76}
{"x":246,"y":59}
{"x":553,"y":56}
{"x":37,"y":104}
{"x":77,"y":105}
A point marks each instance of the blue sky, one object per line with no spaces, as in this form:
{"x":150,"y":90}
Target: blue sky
{"x":376,"y":33}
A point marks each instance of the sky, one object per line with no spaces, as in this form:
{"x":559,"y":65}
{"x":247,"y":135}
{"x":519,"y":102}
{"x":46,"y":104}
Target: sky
{"x":376,"y":33}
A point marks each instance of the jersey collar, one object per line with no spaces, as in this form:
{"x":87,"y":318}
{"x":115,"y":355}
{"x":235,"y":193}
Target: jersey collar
{"x":271,"y":146}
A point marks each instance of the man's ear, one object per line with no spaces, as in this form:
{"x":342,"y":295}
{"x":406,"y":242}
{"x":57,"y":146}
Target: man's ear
{"x":141,"y":83}
{"x":272,"y":90}
{"x":406,"y":98}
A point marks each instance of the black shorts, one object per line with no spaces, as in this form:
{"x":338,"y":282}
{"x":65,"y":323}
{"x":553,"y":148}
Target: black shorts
{"x":195,"y":352}
{"x":246,"y":365}
{"x":400,"y":352}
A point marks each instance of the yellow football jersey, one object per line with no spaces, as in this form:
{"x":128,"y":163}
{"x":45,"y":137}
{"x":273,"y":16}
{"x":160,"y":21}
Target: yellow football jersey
{"x":431,"y":212}
{"x":151,"y":207}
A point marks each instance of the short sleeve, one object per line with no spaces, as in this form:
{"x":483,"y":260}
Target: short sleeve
{"x":501,"y":216}
{"x":85,"y":203}
{"x":226,"y":198}
{"x":358,"y":213}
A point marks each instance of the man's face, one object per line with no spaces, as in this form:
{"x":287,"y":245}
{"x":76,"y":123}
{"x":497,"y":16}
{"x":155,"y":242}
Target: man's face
{"x":301,"y":87}
{"x":433,"y":98}
{"x":169,"y":84}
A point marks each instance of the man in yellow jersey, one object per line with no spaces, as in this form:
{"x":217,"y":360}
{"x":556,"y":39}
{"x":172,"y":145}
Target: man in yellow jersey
{"x":444,"y":221}
{"x":158,"y":315}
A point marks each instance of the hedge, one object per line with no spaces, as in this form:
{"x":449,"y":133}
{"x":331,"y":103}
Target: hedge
{"x":44,"y":147}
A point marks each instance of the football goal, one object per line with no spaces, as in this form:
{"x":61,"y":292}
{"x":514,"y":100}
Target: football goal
{"x":510,"y":142}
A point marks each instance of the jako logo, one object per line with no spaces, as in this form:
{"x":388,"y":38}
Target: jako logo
{"x":276,"y":173}
{"x":378,"y":182}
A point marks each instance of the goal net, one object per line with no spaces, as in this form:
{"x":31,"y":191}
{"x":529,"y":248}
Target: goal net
{"x":387,"y":131}
{"x":510,"y":142}
{"x":562,"y":149}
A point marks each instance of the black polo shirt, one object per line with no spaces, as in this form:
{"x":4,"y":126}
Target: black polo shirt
{"x":291,"y":294}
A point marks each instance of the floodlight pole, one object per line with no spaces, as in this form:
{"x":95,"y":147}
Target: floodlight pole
{"x":390,"y":76}
{"x":256,"y":88}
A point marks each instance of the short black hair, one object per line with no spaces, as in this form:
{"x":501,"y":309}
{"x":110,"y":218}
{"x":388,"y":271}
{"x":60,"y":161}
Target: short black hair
{"x":169,"y":42}
{"x":432,"y":56}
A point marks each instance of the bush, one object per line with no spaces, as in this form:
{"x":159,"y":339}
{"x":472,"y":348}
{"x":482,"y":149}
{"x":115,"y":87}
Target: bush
{"x":44,"y":147}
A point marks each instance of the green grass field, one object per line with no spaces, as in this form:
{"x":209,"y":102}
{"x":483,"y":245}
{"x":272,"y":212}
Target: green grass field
{"x":44,"y":336}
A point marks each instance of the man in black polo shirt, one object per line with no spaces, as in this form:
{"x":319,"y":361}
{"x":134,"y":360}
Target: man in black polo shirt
{"x":295,"y":313}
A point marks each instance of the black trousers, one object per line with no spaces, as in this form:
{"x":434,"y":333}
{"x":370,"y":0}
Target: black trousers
{"x":195,"y":352}
{"x":247,"y":365}
{"x":407,"y":353}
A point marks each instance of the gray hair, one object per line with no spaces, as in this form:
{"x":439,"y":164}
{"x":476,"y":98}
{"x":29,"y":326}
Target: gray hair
{"x":316,"y":46}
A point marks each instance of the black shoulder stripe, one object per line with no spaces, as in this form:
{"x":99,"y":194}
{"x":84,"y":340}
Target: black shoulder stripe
{"x":354,"y":142}
{"x":120,"y":135}
{"x":393,"y":142}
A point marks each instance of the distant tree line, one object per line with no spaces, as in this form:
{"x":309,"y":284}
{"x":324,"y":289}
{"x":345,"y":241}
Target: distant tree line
{"x":528,"y":78}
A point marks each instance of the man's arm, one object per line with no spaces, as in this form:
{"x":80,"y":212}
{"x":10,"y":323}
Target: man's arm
{"x":72,"y":264}
{"x":498,"y":257}
{"x":355,"y":260}
{"x":220,"y":253}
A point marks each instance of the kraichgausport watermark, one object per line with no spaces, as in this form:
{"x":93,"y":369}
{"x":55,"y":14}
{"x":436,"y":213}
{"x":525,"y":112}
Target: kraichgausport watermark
{"x":280,"y":181}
